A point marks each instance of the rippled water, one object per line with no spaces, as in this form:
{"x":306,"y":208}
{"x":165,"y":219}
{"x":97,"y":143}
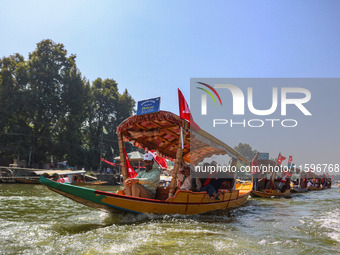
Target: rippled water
{"x":35,"y":220}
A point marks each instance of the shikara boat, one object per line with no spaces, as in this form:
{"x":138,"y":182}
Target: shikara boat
{"x":271,"y":193}
{"x":316,"y":184}
{"x":315,"y":188}
{"x":76,"y":177}
{"x":28,"y":180}
{"x":164,"y":132}
{"x":300,"y":185}
{"x":264,"y":183}
{"x":299,"y":189}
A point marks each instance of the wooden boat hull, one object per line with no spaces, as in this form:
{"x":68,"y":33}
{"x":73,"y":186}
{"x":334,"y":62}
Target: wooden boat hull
{"x":89,"y":183}
{"x":299,"y":190}
{"x":315,"y":188}
{"x":27,"y":181}
{"x":338,"y":184}
{"x":183,"y":202}
{"x":270,"y":193}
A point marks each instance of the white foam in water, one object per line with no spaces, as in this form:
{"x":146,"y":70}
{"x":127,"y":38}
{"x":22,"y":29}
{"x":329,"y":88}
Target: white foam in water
{"x":262,"y":242}
{"x":331,"y":221}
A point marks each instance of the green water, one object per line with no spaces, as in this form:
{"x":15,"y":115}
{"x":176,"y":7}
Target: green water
{"x":35,"y":220}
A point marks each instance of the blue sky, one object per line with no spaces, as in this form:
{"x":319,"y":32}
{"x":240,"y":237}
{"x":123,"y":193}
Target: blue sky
{"x":154,"y":47}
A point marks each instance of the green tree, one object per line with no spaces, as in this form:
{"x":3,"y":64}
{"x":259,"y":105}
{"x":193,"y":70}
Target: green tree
{"x":57,"y":92}
{"x":48,"y":108}
{"x":13,"y":107}
{"x":246,"y":150}
{"x":75,"y":97}
{"x":109,"y":108}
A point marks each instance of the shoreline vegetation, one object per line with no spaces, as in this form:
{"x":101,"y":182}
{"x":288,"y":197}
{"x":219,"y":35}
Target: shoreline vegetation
{"x":50,"y":112}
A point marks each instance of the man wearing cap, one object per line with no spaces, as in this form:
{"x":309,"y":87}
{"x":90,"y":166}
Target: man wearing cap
{"x":146,"y":182}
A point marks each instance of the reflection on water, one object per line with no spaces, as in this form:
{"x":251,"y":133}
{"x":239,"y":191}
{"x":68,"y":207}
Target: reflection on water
{"x":35,"y":220}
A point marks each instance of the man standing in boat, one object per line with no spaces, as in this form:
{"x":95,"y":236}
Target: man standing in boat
{"x":146,"y":182}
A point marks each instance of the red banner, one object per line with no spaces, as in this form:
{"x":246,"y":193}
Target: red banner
{"x":280,"y":159}
{"x":108,"y":162}
{"x":159,"y":160}
{"x":290,"y":160}
{"x":130,"y":171}
{"x":285,"y":176}
{"x":184,"y":111}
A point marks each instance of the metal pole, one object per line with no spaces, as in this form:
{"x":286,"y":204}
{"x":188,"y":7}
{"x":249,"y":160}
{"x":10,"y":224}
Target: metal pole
{"x":101,"y":151}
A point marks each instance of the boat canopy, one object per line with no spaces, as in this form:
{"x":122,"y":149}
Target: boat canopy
{"x":161,"y":131}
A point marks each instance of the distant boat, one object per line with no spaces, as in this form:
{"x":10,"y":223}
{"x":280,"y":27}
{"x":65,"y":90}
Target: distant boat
{"x":300,"y":187}
{"x":313,"y":188}
{"x":27,"y":180}
{"x":76,"y":177}
{"x":268,"y":188}
{"x":271,"y":193}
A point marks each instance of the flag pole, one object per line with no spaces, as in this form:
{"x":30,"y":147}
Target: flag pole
{"x":122,"y":156}
{"x":179,"y":157}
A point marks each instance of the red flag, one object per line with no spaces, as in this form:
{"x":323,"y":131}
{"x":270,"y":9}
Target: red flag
{"x":184,"y":111}
{"x":130,"y":171}
{"x":280,"y":159}
{"x":108,"y":162}
{"x":159,"y":160}
{"x":290,"y":160}
{"x":285,"y":176}
{"x":206,"y":182}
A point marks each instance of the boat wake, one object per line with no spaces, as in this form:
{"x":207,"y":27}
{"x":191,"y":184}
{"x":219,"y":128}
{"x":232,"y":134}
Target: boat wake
{"x":330,"y":221}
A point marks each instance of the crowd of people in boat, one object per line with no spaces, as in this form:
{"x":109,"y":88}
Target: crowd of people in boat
{"x":268,"y":184}
{"x":60,"y":178}
{"x":282,"y":186}
{"x":212,"y":185}
{"x":146,"y":182}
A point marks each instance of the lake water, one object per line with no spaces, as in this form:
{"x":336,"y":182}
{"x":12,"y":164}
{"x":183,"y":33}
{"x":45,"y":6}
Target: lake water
{"x":35,"y":220}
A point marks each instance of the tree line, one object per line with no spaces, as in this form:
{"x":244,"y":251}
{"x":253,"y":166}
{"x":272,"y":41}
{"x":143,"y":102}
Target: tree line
{"x":47,"y":107}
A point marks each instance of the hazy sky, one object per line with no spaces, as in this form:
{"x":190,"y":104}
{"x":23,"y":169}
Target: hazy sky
{"x":154,"y":47}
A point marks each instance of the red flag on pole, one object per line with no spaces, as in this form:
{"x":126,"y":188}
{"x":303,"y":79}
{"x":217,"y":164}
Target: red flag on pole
{"x":184,"y":111}
{"x":159,"y":160}
{"x":280,"y":158}
{"x":290,"y":160}
{"x":130,"y":171}
{"x":285,"y":176}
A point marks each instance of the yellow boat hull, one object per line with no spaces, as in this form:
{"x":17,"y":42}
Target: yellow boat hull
{"x":183,"y":202}
{"x":270,"y":193}
{"x":315,"y":188}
